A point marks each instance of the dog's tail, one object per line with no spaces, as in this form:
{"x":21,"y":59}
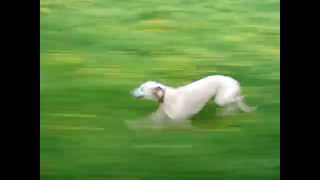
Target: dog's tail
{"x":244,"y":107}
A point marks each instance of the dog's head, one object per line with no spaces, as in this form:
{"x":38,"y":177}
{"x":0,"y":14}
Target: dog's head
{"x":150,"y":90}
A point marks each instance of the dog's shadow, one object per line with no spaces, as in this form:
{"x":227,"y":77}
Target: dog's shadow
{"x":147,"y":123}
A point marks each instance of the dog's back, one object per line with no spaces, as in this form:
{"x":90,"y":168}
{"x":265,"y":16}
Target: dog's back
{"x":211,"y":83}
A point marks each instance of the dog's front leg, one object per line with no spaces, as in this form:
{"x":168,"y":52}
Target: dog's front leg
{"x":155,"y":120}
{"x":159,"y":117}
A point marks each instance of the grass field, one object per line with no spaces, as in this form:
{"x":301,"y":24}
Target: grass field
{"x":93,"y":52}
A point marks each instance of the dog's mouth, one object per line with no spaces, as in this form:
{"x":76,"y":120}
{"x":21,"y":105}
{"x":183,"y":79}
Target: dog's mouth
{"x":139,"y":97}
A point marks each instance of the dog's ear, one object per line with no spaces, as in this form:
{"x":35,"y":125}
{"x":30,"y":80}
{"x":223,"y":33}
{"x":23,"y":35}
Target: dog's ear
{"x":159,"y":93}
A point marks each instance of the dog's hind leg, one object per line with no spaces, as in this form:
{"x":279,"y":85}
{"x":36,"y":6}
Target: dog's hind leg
{"x":232,"y":100}
{"x":227,"y":97}
{"x":227,"y":101}
{"x":229,"y":109}
{"x":244,"y":107}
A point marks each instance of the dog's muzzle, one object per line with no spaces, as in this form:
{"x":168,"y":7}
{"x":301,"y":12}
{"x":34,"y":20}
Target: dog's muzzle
{"x":137,"y":93}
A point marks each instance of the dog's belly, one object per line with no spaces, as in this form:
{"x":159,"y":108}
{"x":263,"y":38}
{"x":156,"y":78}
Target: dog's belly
{"x":192,"y":106}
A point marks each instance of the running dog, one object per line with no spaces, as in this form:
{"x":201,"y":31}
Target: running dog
{"x":181,"y":103}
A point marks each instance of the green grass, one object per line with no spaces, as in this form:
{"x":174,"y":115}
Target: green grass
{"x":93,"y":52}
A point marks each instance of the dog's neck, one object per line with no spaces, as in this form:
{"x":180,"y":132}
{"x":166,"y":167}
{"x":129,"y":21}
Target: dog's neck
{"x":166,"y":89}
{"x":161,"y":100}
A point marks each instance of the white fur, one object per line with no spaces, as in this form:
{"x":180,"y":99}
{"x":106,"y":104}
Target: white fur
{"x":183,"y":102}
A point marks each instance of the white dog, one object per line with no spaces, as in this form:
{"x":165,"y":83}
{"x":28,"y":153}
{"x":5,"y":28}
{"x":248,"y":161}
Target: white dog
{"x":182,"y":103}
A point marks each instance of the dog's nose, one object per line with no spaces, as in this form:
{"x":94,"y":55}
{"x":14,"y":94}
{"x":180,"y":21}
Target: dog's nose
{"x":132,"y":92}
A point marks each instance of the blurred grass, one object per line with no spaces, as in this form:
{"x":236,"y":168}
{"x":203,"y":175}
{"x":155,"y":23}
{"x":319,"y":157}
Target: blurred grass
{"x":93,"y":52}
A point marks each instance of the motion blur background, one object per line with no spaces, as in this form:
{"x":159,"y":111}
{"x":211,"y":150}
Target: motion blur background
{"x":93,"y":52}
